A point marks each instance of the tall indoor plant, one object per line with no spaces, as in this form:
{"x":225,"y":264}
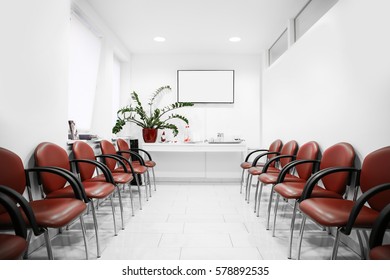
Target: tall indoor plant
{"x":152,"y":119}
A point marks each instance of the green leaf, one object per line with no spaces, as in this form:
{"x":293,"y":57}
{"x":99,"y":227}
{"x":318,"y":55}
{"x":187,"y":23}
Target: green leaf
{"x":135,"y":113}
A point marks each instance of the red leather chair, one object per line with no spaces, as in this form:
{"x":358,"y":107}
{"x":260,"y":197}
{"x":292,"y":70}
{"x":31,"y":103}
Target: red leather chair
{"x":13,"y":246}
{"x":345,"y":214}
{"x":334,"y":186}
{"x":378,"y":250}
{"x":50,"y":154}
{"x":49,"y":213}
{"x":275,"y":165}
{"x":87,"y":167}
{"x":272,"y":151}
{"x":118,"y":164}
{"x":125,"y":150}
{"x":304,"y":163}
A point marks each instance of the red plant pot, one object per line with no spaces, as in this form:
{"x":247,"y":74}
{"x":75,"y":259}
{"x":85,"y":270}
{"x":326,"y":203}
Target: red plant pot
{"x":149,"y":135}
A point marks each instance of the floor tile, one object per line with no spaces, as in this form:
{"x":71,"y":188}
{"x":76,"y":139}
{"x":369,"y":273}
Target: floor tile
{"x":196,"y":218}
{"x":189,"y":221}
{"x":214,"y":227}
{"x":196,"y":240}
{"x":220,"y":254}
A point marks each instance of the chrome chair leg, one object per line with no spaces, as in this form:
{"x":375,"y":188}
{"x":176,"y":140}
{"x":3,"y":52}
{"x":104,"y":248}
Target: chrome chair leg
{"x":120,"y":204}
{"x":84,"y":236}
{"x":248,"y":187}
{"x":149,"y":184}
{"x":336,"y":244}
{"x":367,"y":239}
{"x":270,"y":205}
{"x":131,"y":199}
{"x":154,"y":179}
{"x":242,"y":180}
{"x":95,"y":223}
{"x":289,"y":253}
{"x":275,"y":213}
{"x":29,"y":235}
{"x":48,"y":245}
{"x":113,"y":214}
{"x":362,"y":251}
{"x":256,"y":194}
{"x":301,"y":230}
{"x":146,"y":188}
{"x":139,"y":196}
{"x":259,"y":199}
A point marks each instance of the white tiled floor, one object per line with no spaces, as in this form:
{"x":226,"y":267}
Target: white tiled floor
{"x":191,"y":221}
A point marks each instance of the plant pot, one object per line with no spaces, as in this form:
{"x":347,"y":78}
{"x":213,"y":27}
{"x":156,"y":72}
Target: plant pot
{"x":149,"y":135}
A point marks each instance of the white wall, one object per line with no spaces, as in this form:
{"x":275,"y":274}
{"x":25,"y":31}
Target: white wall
{"x":333,"y":84}
{"x":239,"y":119}
{"x":33,"y":74}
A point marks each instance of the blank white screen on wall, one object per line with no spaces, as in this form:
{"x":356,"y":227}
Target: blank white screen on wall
{"x":205,"y":86}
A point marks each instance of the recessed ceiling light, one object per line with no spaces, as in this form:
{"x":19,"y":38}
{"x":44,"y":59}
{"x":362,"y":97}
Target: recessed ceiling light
{"x":235,"y":39}
{"x":159,"y":39}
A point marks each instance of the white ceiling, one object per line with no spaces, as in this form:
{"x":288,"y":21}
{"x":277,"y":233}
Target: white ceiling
{"x":197,"y":26}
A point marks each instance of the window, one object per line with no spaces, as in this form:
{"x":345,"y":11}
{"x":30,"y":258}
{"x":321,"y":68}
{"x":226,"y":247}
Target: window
{"x":278,"y":48}
{"x":84,"y":56}
{"x":306,"y":18}
{"x":310,"y":14}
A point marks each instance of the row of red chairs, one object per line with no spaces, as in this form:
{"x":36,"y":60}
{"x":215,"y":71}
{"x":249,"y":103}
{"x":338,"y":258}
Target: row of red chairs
{"x":68,"y":187}
{"x":324,"y":188}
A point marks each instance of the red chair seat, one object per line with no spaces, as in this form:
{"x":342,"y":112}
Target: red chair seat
{"x":12,"y":247}
{"x":119,"y":178}
{"x":293,"y":190}
{"x":247,"y":165}
{"x":139,"y":169}
{"x":53,"y":213}
{"x":380,"y":253}
{"x":93,"y":189}
{"x":148,"y":163}
{"x":258,"y":170}
{"x":331,"y":212}
{"x":271,"y":178}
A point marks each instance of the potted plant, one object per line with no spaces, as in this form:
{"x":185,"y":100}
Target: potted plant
{"x":150,"y":120}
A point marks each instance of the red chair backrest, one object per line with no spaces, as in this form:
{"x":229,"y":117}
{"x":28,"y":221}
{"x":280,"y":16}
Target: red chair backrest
{"x":12,"y":172}
{"x":50,"y":154}
{"x":123,"y":146}
{"x":375,"y":171}
{"x":108,"y":149}
{"x":340,"y":154}
{"x":274,"y":147}
{"x":308,"y":150}
{"x":290,"y":148}
{"x":82,"y":150}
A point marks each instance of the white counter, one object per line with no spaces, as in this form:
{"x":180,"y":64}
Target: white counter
{"x":197,"y":161}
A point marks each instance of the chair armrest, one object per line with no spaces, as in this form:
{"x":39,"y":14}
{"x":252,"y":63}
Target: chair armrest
{"x":379,"y":228}
{"x":106,"y":172}
{"x":255,"y":151}
{"x":142,"y":150}
{"x":121,"y":160}
{"x":25,"y":206}
{"x":360,"y":203}
{"x":74,"y":182}
{"x":313,"y":180}
{"x":114,"y":157}
{"x":141,"y":160}
{"x":254,"y":163}
{"x":19,"y":226}
{"x":286,"y":169}
{"x":277,"y":158}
